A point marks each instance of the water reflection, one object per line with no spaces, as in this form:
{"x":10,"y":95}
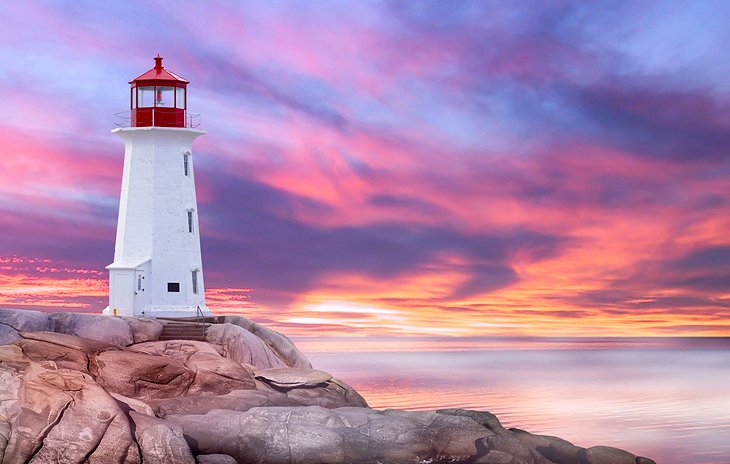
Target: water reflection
{"x":664,"y":398}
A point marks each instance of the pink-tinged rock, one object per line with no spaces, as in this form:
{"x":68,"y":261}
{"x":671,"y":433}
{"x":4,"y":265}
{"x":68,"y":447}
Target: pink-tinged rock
{"x":13,"y":321}
{"x":214,"y":374}
{"x":606,"y":455}
{"x":215,"y":459}
{"x":333,"y":394}
{"x":160,"y":442}
{"x":317,"y":435}
{"x":130,"y":404}
{"x":142,"y":376}
{"x":143,"y":329}
{"x":279,"y":342}
{"x":65,"y":416}
{"x":293,"y":377}
{"x":107,"y":329}
{"x":242,"y":346}
{"x":237,"y":400}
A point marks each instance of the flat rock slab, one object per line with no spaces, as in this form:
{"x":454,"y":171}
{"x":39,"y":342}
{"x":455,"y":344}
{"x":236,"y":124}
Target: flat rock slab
{"x":293,"y":377}
{"x":315,"y":435}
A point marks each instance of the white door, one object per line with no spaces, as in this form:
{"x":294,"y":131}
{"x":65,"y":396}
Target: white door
{"x":139,"y":295}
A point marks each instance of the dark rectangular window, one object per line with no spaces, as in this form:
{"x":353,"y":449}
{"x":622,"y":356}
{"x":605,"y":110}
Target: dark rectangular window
{"x":190,"y":222}
{"x":195,"y":282}
{"x":186,"y":163}
{"x":173,"y":287}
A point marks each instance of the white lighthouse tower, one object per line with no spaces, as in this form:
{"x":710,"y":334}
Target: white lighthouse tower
{"x":157,"y":269}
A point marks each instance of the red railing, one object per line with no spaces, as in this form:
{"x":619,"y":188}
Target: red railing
{"x":157,"y":117}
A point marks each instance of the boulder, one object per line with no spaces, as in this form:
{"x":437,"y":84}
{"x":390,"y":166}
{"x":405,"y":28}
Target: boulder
{"x":130,"y":404}
{"x":643,"y":460}
{"x":85,"y":345}
{"x":5,"y":430}
{"x":160,"y":442}
{"x":486,"y":419}
{"x":293,"y":377}
{"x":278,"y":342}
{"x":237,"y":400}
{"x":13,"y":321}
{"x":198,"y":356}
{"x":318,"y":435}
{"x":143,"y":329}
{"x":7,"y":334}
{"x":24,"y":320}
{"x":242,"y":346}
{"x":332,"y":394}
{"x":65,"y":416}
{"x":142,"y":376}
{"x":496,"y":457}
{"x":108,"y":329}
{"x":553,"y":448}
{"x":606,"y":455}
{"x":520,"y":452}
{"x":214,"y":374}
{"x":215,"y":459}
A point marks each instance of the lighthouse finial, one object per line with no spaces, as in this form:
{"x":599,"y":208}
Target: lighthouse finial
{"x":158,"y":62}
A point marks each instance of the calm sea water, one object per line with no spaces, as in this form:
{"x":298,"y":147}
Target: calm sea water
{"x":668,"y":399}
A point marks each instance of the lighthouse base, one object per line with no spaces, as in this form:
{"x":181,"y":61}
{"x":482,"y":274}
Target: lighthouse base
{"x":165,"y":311}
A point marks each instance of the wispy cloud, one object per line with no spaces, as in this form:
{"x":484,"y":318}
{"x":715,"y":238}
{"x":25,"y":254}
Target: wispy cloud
{"x":406,"y":168}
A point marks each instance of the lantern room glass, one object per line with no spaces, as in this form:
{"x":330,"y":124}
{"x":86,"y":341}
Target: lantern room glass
{"x":165,"y":97}
{"x":145,"y":97}
{"x":179,"y":98}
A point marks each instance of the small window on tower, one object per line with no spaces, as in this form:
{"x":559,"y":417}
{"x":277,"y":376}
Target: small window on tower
{"x":132,"y":95}
{"x":190,"y":221}
{"x":195,"y":282}
{"x":173,"y":287}
{"x":186,"y":163}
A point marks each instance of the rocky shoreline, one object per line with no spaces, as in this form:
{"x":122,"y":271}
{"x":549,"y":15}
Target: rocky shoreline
{"x":84,"y":388}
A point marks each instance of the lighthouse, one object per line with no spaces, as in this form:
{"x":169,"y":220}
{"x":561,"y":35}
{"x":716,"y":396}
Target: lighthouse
{"x":157,"y":269}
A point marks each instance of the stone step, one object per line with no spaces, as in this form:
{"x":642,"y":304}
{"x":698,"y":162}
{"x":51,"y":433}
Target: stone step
{"x":183,"y":331}
{"x":164,"y":338}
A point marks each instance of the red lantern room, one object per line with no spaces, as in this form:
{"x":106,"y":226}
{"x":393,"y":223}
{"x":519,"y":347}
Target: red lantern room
{"x":158,"y":98}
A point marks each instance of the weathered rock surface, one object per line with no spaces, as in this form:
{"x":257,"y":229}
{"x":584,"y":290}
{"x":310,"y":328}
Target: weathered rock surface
{"x":160,"y":441}
{"x":606,"y":455}
{"x":14,"y":321}
{"x":293,"y":377}
{"x":111,"y":330}
{"x":215,"y":459}
{"x":64,"y":416}
{"x":64,"y":398}
{"x":278,"y":342}
{"x":318,"y":435}
{"x":143,"y":329}
{"x":487,"y":419}
{"x":242,"y":346}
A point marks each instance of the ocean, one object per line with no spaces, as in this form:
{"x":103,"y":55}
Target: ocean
{"x":664,"y":398}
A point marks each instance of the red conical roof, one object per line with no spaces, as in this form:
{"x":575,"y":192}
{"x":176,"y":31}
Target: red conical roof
{"x":158,"y":73}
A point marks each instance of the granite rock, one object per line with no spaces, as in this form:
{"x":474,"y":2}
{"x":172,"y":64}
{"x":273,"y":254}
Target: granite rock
{"x":111,"y":330}
{"x":242,"y":346}
{"x":103,"y":399}
{"x":143,"y":329}
{"x":278,"y":342}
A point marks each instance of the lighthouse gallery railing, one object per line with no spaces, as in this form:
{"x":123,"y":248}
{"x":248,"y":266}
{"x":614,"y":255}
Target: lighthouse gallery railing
{"x":124,"y":118}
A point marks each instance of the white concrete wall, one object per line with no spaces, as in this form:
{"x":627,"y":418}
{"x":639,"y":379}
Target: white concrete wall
{"x":153,"y":223}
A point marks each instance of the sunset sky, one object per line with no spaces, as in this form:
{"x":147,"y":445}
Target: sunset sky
{"x":444,"y":168}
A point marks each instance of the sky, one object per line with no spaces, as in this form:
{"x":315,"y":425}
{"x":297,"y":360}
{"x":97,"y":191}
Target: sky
{"x":414,"y":168}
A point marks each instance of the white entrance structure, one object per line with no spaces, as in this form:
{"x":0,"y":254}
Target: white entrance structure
{"x":157,"y":269}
